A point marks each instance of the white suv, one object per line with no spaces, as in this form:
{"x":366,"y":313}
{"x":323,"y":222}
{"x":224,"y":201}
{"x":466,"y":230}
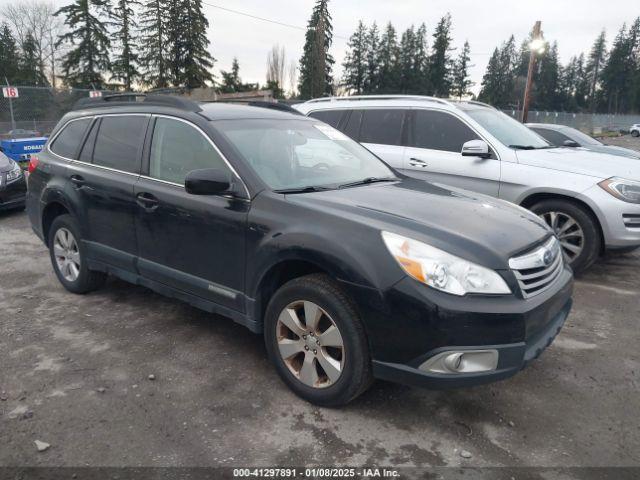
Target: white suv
{"x":635,"y":130}
{"x":591,"y":200}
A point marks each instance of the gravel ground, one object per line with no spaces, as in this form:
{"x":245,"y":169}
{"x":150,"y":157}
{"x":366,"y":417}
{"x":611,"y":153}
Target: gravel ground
{"x":626,"y":141}
{"x":75,"y":373}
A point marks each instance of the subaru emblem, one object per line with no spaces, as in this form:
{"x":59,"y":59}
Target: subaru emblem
{"x":547,"y":257}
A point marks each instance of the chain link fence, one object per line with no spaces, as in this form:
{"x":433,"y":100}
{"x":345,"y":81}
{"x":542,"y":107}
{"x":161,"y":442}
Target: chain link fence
{"x":36,"y":110}
{"x":589,"y":123}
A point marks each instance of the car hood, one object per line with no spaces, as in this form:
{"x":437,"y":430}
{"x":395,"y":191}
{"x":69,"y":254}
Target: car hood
{"x":582,"y":161}
{"x":5,"y":163}
{"x":473,"y":226}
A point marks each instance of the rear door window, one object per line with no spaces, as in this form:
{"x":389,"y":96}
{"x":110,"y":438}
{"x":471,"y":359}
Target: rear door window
{"x":439,"y":131}
{"x":119,"y":142}
{"x":382,"y":126}
{"x":332,"y":117}
{"x":68,"y":141}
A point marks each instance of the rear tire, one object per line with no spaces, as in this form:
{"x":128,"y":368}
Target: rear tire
{"x":581,"y":243}
{"x":345,"y":352}
{"x":635,"y":133}
{"x":68,"y":257}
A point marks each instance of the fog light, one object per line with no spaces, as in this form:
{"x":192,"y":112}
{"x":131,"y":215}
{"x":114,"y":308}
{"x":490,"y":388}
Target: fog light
{"x":462,"y":361}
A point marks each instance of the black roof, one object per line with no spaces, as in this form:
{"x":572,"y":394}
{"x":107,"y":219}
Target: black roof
{"x":230,"y":111}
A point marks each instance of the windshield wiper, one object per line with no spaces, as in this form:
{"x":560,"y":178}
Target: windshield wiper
{"x":530,"y":147}
{"x":523,"y":147}
{"x":368,"y":180}
{"x":307,"y":189}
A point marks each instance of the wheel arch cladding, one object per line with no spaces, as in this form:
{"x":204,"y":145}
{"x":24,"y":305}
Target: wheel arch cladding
{"x":49,"y":214}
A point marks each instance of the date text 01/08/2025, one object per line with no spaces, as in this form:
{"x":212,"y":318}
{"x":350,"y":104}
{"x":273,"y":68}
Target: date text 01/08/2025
{"x":319,"y":472}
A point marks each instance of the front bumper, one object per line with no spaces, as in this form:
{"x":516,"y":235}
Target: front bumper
{"x":512,"y":358}
{"x":12,"y":194}
{"x":617,"y":218}
{"x":411,"y":323}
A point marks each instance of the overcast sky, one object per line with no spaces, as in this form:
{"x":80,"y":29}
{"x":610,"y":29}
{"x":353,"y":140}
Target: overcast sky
{"x":574,"y":24}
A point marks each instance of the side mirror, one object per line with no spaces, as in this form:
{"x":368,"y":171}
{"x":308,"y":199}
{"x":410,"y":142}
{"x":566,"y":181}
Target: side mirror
{"x":570,"y":143}
{"x":208,"y":181}
{"x":476,"y":148}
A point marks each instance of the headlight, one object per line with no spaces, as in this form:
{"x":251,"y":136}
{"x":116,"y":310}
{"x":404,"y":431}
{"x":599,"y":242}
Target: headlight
{"x":441,"y":270}
{"x":14,"y":173}
{"x":625,"y":190}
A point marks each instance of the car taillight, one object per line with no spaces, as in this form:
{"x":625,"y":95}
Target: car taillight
{"x":33,"y":163}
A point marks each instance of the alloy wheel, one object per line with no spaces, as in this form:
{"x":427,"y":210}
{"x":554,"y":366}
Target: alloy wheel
{"x":569,"y":233}
{"x":67,"y":254}
{"x":310,"y":344}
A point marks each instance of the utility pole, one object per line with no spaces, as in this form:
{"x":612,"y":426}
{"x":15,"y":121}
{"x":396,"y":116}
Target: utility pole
{"x":536,"y":46}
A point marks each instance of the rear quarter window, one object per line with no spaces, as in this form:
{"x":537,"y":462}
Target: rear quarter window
{"x":67,"y":142}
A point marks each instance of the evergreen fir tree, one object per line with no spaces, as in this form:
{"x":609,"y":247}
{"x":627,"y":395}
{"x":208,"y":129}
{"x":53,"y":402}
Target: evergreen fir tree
{"x":490,"y":90}
{"x":316,"y":63}
{"x":389,"y":70}
{"x":420,"y":80}
{"x":192,"y":57}
{"x":508,"y":65}
{"x":406,"y":60}
{"x":124,"y":67}
{"x":461,"y":83}
{"x":88,"y":57}
{"x":547,"y":81}
{"x":499,"y":80}
{"x":355,"y":66}
{"x":581,"y":91}
{"x":372,"y":77}
{"x":9,"y":66}
{"x":154,"y":44}
{"x":231,"y":82}
{"x":595,"y":63}
{"x":29,"y":68}
{"x":440,"y":59}
{"x":617,"y":74}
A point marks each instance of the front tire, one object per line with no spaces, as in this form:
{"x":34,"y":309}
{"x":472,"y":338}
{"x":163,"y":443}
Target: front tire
{"x":68,"y":257}
{"x":635,"y":133}
{"x":316,"y":341}
{"x":576,"y":230}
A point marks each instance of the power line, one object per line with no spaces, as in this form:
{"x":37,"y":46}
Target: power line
{"x":289,"y":25}
{"x":262,"y":19}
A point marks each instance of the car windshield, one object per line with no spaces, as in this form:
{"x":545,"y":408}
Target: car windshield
{"x":507,"y":130}
{"x":290,"y":155}
{"x":582,"y":138}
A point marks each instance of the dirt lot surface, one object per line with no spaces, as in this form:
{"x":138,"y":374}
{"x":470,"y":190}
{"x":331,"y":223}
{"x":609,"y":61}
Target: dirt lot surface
{"x":75,"y":373}
{"x":626,"y":141}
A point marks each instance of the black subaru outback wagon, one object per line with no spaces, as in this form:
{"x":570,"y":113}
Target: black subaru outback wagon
{"x":349,"y":269}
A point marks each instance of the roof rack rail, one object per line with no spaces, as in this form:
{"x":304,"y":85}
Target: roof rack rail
{"x":283,"y":107}
{"x":126,"y":99}
{"x":380,"y":97}
{"x":474,"y":102}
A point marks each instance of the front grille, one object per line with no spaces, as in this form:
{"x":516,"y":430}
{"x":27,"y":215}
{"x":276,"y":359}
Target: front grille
{"x":631,"y":220}
{"x":536,"y":270}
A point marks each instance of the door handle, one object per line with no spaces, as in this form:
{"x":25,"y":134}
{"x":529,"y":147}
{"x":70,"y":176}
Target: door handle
{"x":79,"y":183}
{"x":147,"y":201}
{"x":416,"y":162}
